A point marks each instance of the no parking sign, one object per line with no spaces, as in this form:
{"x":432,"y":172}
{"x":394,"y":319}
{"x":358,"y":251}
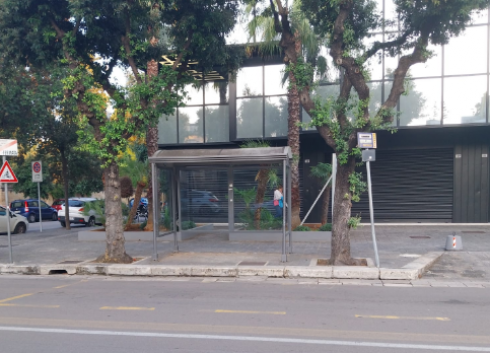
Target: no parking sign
{"x":37,"y":172}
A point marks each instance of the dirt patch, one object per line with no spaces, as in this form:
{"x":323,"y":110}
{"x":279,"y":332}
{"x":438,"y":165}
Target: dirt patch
{"x":135,"y":259}
{"x":326,"y":262}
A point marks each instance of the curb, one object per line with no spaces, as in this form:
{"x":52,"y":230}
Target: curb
{"x":411,"y":271}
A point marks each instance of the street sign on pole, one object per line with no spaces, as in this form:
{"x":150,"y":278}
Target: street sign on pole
{"x":37,"y":177}
{"x":37,"y":172}
{"x":368,"y":141}
{"x":8,"y":147}
{"x":7,"y":174}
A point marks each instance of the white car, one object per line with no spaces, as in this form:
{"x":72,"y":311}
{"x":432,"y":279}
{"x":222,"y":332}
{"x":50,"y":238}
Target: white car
{"x":18,"y":224}
{"x":76,"y":209}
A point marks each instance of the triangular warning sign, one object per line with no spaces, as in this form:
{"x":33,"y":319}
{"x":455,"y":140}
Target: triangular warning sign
{"x":7,"y":174}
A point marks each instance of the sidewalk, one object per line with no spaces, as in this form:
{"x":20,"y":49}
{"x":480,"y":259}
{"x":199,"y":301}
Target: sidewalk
{"x":399,"y":247}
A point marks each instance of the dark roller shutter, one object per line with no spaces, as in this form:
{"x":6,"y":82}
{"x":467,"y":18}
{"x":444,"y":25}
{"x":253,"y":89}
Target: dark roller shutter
{"x":410,"y":186}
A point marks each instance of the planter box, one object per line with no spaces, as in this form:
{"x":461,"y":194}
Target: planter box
{"x":273,"y":235}
{"x":97,"y":235}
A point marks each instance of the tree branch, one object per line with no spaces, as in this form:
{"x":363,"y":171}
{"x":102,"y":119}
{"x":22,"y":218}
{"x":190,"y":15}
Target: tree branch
{"x":379,"y":46}
{"x":77,"y":26}
{"x":127,"y":48}
{"x":59,"y":32}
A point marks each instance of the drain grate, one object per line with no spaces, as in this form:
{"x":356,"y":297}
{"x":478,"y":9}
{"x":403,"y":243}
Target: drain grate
{"x":419,"y":237}
{"x":252,"y":263}
{"x":70,"y":262}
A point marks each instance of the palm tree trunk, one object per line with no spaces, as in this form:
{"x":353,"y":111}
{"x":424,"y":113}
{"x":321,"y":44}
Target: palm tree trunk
{"x":152,"y":147}
{"x":294,"y":142}
{"x":137,"y":198}
{"x":259,"y":198}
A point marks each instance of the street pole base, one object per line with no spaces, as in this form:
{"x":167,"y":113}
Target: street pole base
{"x":284,"y":258}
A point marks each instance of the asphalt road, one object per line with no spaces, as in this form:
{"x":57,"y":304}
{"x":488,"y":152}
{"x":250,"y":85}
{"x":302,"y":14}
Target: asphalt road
{"x":108,"y":314}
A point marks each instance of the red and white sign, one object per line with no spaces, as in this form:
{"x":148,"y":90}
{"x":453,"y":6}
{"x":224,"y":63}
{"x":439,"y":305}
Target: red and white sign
{"x":7,"y":174}
{"x":8,"y":147}
{"x":37,"y":172}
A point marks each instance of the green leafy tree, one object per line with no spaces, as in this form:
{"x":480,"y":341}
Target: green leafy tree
{"x":346,"y":23}
{"x":92,"y":37}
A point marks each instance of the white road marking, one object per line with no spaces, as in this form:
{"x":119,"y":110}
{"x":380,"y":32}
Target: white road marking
{"x":248,"y":338}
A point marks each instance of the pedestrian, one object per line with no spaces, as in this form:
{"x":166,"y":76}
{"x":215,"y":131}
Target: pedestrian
{"x":278,"y":201}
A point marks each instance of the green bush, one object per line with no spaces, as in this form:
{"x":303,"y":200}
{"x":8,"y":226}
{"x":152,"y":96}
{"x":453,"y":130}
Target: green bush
{"x":143,"y":225}
{"x":327,"y":227}
{"x":188,"y":225}
{"x":302,"y":229}
{"x":167,"y":222}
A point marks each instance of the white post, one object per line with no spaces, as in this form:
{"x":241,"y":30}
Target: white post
{"x":371,"y":212}
{"x":39,"y":204}
{"x":8,"y":216}
{"x":334,"y":179}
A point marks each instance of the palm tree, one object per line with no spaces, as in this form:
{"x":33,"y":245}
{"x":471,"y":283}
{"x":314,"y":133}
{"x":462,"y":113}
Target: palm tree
{"x":308,"y":44}
{"x":323,"y":171}
{"x":266,"y":176}
{"x":134,"y":164}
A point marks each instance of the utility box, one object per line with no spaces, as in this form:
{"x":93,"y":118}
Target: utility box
{"x":368,"y":155}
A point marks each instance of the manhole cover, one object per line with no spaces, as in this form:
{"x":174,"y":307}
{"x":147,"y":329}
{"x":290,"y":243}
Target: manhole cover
{"x":252,"y":263}
{"x":419,"y":237}
{"x":70,"y":262}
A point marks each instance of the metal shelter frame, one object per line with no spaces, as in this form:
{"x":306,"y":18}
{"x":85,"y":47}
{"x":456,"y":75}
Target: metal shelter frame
{"x":230,"y":159}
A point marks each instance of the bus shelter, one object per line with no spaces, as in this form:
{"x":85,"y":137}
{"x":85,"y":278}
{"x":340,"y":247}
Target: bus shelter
{"x":170,"y":170}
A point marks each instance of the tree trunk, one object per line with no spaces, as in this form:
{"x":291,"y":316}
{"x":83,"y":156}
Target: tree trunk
{"x":294,"y":110}
{"x":115,"y":251}
{"x":340,"y":254}
{"x":152,"y":147}
{"x":259,"y":198}
{"x":137,"y":198}
{"x":64,"y":172}
{"x":325,"y":205}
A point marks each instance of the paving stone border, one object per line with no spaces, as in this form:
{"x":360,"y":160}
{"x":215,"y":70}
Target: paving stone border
{"x":411,"y":271}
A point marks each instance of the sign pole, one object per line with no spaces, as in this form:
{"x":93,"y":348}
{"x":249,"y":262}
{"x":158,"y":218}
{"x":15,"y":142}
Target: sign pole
{"x":8,"y":216}
{"x":371,"y":212}
{"x":39,"y":203}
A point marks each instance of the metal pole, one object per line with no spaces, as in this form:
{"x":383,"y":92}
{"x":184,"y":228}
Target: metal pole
{"x":8,"y":216}
{"x":156,"y":209}
{"x":290,"y":205}
{"x":316,"y":200}
{"x":179,"y":206}
{"x":174,"y":209}
{"x":39,"y":204}
{"x":371,"y":213}
{"x":334,"y":180}
{"x":284,"y":190}
{"x":231,"y":202}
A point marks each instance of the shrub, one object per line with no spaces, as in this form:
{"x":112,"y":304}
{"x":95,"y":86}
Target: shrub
{"x":327,"y":227}
{"x":126,"y":187}
{"x":167,"y":222}
{"x":143,"y":225}
{"x":302,"y":229}
{"x":188,"y":225}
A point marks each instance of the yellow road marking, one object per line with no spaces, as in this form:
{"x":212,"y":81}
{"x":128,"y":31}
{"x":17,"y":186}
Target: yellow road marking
{"x":391,"y":317}
{"x":30,"y":306}
{"x":125,"y":308}
{"x":15,"y":298}
{"x":249,"y":312}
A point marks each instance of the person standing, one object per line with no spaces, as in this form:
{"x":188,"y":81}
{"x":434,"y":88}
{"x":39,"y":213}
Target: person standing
{"x":278,"y":201}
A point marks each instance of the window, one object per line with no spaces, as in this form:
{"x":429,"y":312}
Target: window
{"x":249,"y":118}
{"x":456,"y":54}
{"x":3,"y":211}
{"x":422,"y":105}
{"x":75,"y":203}
{"x":465,"y":100}
{"x":33,"y":204}
{"x":17,"y":204}
{"x":44,"y":205}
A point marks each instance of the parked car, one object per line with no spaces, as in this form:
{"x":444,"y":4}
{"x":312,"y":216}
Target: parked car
{"x":57,"y":204}
{"x":18,"y":223}
{"x":143,"y":201}
{"x":200,"y":202}
{"x":30,"y":210}
{"x":76,"y":208}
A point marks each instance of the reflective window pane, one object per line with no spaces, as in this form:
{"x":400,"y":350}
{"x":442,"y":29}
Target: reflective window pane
{"x":422,"y":105}
{"x":194,"y":95}
{"x":249,"y":118}
{"x":332,"y":73}
{"x":217,"y":123}
{"x":276,"y":116}
{"x":249,"y":82}
{"x":374,"y":101}
{"x":190,"y":125}
{"x":479,"y":17}
{"x":433,"y":66}
{"x":239,"y":34}
{"x":216,"y":93}
{"x":322,"y":92}
{"x":457,"y":58}
{"x":391,"y":15}
{"x":274,"y":76}
{"x":374,"y":64}
{"x":464,"y":100}
{"x":167,"y":129}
